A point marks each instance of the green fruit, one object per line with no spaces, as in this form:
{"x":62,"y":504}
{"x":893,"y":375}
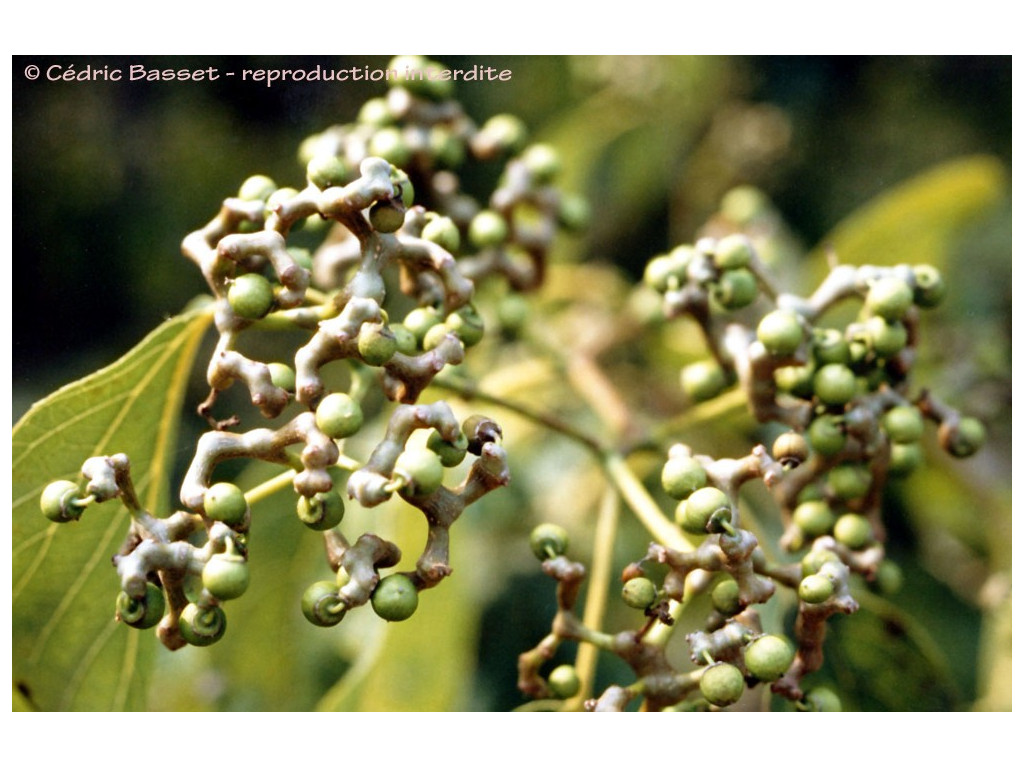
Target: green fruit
{"x":257,"y":187}
{"x":682,"y":475}
{"x":668,"y":271}
{"x":904,"y":458}
{"x":225,"y":502}
{"x":420,"y":470}
{"x":442,"y":231}
{"x":507,"y":131}
{"x":826,"y":435}
{"x":226,"y":576}
{"x":889,"y":297}
{"x":467,"y":324}
{"x":814,"y":518}
{"x":282,"y":376}
{"x":450,"y":453}
{"x":325,"y":171}
{"x":375,"y":112}
{"x":488,"y":229}
{"x":781,"y":332}
{"x":821,"y":699}
{"x":829,"y":346}
{"x":404,"y":191}
{"x":886,"y":338}
{"x":725,"y":597}
{"x":574,"y":212}
{"x":797,"y":380}
{"x":387,"y":216}
{"x":390,"y":144}
{"x":849,"y":481}
{"x":835,"y":384}
{"x":889,"y":577}
{"x":435,"y":336}
{"x":144,"y":613}
{"x":405,"y":339}
{"x":736,"y":288}
{"x":816,"y":589}
{"x":446,"y":147}
{"x":321,"y":604}
{"x":722,"y":684}
{"x":966,"y":439}
{"x":376,"y":343}
{"x":543,"y":163}
{"x":929,"y":286}
{"x":814,"y":560}
{"x":57,"y":501}
{"x":733,"y":252}
{"x":699,"y":507}
{"x":339,"y":416}
{"x":251,"y":296}
{"x":853,"y":531}
{"x":903,"y":424}
{"x":743,"y":204}
{"x":703,"y":380}
{"x":395,"y":598}
{"x":639,"y":593}
{"x":564,"y":682}
{"x":321,"y":512}
{"x":768,"y":657}
{"x":548,"y":540}
{"x":420,"y":320}
{"x":790,"y":448}
{"x":201,"y":626}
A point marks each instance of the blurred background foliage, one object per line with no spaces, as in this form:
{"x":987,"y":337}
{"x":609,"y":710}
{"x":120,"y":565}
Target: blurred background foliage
{"x":109,"y":177}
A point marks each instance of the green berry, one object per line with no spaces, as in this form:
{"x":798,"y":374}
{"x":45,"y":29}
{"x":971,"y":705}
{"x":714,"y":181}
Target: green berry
{"x":447,"y":148}
{"x":790,"y":448}
{"x":257,"y":187}
{"x":829,"y":346}
{"x":488,"y":229}
{"x":202,"y":626}
{"x":736,"y":288}
{"x":574,"y":212}
{"x":733,"y":252}
{"x":849,"y":481}
{"x":821,"y":699}
{"x":696,"y":512}
{"x":420,"y":470}
{"x":387,"y":216}
{"x":144,"y":613}
{"x":467,"y":324}
{"x":814,"y":518}
{"x":548,"y":540}
{"x":282,"y":376}
{"x":395,"y":598}
{"x":301,"y":257}
{"x":797,"y":380}
{"x":889,"y":577}
{"x":682,"y":475}
{"x":814,"y":560}
{"x":507,"y":131}
{"x":929,"y":286}
{"x":743,"y":204}
{"x":339,"y":416}
{"x":886,"y":338}
{"x":450,"y":453}
{"x":781,"y":332}
{"x":725,"y":597}
{"x":903,"y":424}
{"x":57,"y":501}
{"x":321,"y":512}
{"x":889,"y":297}
{"x":405,"y":339}
{"x":251,"y":296}
{"x":835,"y":384}
{"x":325,"y":171}
{"x":816,"y":589}
{"x":564,"y":682}
{"x":722,"y":684}
{"x":226,"y":576}
{"x":826,"y":435}
{"x":225,"y":502}
{"x":376,"y":343}
{"x":442,"y":231}
{"x":403,"y":185}
{"x":965,"y":439}
{"x":853,"y":530}
{"x":639,"y":593}
{"x":375,"y":112}
{"x":321,"y":604}
{"x":768,"y":657}
{"x":665,"y":273}
{"x":543,"y":163}
{"x":420,"y":320}
{"x":904,"y":458}
{"x":390,"y":144}
{"x":703,"y":380}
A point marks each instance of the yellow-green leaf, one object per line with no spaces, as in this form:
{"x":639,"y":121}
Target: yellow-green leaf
{"x":68,"y":651}
{"x":915,"y":222}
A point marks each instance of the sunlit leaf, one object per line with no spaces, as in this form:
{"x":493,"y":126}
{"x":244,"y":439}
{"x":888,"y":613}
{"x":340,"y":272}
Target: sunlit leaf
{"x":68,"y":651}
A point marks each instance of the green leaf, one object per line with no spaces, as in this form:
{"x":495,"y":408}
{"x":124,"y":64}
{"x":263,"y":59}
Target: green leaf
{"x":916,"y":222}
{"x":68,"y":651}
